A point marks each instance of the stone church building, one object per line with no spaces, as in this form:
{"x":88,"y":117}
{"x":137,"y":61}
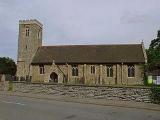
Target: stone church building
{"x":77,"y":64}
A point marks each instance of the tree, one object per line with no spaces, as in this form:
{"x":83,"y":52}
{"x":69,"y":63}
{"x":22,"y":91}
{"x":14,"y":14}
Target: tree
{"x":7,"y":66}
{"x":153,"y":53}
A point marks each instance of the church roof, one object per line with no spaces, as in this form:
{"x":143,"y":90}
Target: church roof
{"x":126,"y":53}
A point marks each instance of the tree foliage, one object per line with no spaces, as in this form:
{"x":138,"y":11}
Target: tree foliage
{"x":7,"y":66}
{"x":153,"y":53}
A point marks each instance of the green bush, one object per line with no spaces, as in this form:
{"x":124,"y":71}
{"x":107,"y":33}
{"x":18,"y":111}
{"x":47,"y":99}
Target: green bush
{"x":155,"y":95}
{"x":145,"y":80}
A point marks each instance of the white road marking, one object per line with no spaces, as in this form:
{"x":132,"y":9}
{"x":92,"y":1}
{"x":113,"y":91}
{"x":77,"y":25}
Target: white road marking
{"x":16,"y":103}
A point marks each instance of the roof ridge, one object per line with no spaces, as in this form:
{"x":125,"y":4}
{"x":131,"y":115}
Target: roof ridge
{"x":88,"y":45}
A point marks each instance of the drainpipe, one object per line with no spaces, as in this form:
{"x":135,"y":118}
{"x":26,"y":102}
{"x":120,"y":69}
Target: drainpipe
{"x":116,"y":75}
{"x":122,"y":73}
{"x":29,"y":72}
{"x":67,"y":72}
{"x":101,"y":74}
{"x":85,"y":73}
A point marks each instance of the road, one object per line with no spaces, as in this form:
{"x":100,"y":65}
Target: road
{"x":22,"y":108}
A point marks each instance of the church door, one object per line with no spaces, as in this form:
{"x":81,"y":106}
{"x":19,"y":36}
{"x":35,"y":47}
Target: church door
{"x":54,"y":77}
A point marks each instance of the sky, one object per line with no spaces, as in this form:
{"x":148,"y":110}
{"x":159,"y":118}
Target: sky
{"x":80,"y":22}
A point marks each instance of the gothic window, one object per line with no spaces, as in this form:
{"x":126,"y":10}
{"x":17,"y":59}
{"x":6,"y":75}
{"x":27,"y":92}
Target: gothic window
{"x":27,"y":31}
{"x":41,"y":69}
{"x":26,"y":47}
{"x":110,"y":71}
{"x":131,"y":71}
{"x":39,"y":34}
{"x":74,"y":70}
{"x":92,"y":69}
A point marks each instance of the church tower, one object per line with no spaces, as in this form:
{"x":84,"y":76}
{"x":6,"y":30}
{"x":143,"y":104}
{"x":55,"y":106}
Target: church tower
{"x":29,"y":39}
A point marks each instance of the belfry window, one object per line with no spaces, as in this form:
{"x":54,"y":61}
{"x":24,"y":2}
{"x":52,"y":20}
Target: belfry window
{"x":27,"y":32}
{"x":110,"y":71}
{"x":74,"y":70}
{"x":92,"y":69}
{"x":131,"y":71}
{"x":39,"y":34}
{"x":26,"y":47}
{"x":41,"y":69}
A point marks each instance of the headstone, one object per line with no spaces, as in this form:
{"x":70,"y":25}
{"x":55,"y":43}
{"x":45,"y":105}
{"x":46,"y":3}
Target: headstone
{"x":158,"y":80}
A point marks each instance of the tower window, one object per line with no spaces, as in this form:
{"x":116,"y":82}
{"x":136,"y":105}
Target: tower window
{"x":27,"y":32}
{"x":41,"y":69}
{"x":26,"y":47}
{"x":74,"y":70}
{"x":110,"y":71}
{"x":92,"y":69}
{"x":131,"y":71}
{"x":39,"y":34}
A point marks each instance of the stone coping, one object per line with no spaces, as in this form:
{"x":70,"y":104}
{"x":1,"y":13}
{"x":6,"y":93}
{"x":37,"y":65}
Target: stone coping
{"x":83,"y":85}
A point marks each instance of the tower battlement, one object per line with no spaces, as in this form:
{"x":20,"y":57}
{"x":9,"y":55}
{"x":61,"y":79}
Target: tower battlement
{"x":31,"y":21}
{"x":29,"y":40}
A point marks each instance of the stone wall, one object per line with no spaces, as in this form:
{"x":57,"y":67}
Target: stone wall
{"x":138,"y":94}
{"x":4,"y":85}
{"x":27,"y":45}
{"x":120,"y":74}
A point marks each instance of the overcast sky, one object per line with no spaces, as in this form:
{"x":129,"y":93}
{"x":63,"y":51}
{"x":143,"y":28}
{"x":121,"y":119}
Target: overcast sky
{"x":80,"y":21}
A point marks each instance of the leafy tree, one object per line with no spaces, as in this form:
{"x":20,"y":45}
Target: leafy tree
{"x":7,"y":66}
{"x":153,"y":53}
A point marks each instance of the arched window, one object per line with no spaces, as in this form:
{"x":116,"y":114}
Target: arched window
{"x":131,"y":71}
{"x":92,"y":69}
{"x":74,"y":70}
{"x":41,"y":69}
{"x":26,"y":47}
{"x":39,"y":34}
{"x":110,"y":71}
{"x":27,"y":31}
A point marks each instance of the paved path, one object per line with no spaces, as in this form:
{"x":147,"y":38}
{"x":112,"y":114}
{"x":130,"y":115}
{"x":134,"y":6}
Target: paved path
{"x":24,"y":108}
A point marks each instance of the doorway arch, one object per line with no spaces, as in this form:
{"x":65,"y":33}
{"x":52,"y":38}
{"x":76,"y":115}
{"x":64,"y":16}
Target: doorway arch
{"x":54,"y":77}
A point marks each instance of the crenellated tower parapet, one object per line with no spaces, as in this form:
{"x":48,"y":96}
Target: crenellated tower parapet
{"x":29,"y":40}
{"x":30,"y":21}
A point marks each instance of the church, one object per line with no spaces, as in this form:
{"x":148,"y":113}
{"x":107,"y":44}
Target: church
{"x":116,"y":64}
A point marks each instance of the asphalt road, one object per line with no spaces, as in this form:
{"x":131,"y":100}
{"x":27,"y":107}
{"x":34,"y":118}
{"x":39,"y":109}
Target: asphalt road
{"x":22,"y":108}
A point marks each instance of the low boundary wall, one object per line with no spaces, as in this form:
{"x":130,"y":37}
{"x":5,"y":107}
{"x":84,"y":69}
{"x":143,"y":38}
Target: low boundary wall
{"x":124,"y":93}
